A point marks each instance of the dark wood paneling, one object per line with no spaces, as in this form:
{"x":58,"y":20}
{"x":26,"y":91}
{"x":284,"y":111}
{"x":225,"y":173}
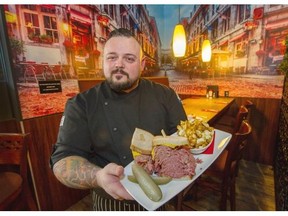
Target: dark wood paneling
{"x":52,"y":194}
{"x":264,"y":119}
{"x":86,"y":84}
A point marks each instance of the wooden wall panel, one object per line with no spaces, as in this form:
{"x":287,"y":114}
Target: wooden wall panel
{"x":86,"y":84}
{"x":52,"y":195}
{"x":264,"y":120}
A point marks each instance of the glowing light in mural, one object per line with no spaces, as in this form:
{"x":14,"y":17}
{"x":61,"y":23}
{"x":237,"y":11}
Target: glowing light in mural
{"x":179,"y":41}
{"x":206,"y":51}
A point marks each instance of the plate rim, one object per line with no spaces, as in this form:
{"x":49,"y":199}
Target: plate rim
{"x":179,"y":184}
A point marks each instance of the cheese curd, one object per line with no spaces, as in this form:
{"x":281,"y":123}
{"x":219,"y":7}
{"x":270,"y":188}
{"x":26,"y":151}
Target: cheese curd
{"x":197,"y":131}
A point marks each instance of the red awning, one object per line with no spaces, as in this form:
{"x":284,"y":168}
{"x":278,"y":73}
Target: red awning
{"x":275,"y":25}
{"x":223,"y":43}
{"x":48,"y":6}
{"x":80,"y":17}
{"x":237,"y":37}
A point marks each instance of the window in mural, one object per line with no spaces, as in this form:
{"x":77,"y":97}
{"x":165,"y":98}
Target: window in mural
{"x":214,"y":29}
{"x":226,"y":17}
{"x":240,"y":50}
{"x":66,"y":42}
{"x":243,"y":12}
{"x":32,"y":26}
{"x":50,"y":28}
{"x":40,"y":27}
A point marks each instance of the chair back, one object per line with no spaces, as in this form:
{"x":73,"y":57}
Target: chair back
{"x":40,"y":68}
{"x":13,"y":151}
{"x":56,"y":70}
{"x":235,"y":149}
{"x":29,"y":70}
{"x":13,"y":159}
{"x":241,"y":115}
{"x":248,"y":104}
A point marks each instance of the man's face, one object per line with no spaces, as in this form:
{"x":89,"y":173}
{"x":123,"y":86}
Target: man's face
{"x":122,"y":63}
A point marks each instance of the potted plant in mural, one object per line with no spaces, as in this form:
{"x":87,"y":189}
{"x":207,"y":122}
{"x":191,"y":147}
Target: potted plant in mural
{"x":284,"y":64}
{"x":33,"y":37}
{"x":47,"y":39}
{"x":68,"y":45}
{"x":17,"y":48}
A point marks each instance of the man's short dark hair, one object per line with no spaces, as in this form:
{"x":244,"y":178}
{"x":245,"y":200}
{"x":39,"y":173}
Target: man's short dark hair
{"x":120,"y":32}
{"x":123,"y":32}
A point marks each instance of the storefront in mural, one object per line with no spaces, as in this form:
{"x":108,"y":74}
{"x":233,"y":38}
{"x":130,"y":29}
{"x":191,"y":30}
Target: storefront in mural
{"x":276,"y":47}
{"x":65,"y":42}
{"x":50,"y":42}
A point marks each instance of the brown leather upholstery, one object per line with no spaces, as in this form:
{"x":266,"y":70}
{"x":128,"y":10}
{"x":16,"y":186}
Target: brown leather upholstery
{"x":15,"y":193}
{"x":221,"y":175}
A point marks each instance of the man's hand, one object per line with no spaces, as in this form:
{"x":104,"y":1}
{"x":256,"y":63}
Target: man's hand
{"x":109,"y":179}
{"x":77,"y":172}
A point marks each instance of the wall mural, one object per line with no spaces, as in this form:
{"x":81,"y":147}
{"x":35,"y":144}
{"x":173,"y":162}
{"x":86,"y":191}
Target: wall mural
{"x":55,"y":46}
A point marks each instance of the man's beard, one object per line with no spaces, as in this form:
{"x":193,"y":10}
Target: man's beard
{"x":122,"y":86}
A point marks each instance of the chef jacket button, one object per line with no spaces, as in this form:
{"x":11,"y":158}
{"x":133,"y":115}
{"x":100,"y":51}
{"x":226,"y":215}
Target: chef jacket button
{"x":115,"y":129}
{"x":105,"y":103}
{"x":124,"y":157}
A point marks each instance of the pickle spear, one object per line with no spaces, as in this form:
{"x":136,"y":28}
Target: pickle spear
{"x":159,"y":180}
{"x":150,"y":188}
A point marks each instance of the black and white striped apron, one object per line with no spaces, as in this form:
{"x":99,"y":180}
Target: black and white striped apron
{"x":103,"y":203}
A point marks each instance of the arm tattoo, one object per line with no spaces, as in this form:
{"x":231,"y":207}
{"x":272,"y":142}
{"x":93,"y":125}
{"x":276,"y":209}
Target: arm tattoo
{"x":76,"y":172}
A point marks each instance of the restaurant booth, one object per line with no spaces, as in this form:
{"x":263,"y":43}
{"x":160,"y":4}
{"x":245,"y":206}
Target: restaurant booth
{"x":24,"y":110}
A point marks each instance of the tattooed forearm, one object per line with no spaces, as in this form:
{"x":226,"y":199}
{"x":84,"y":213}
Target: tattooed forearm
{"x":76,"y":172}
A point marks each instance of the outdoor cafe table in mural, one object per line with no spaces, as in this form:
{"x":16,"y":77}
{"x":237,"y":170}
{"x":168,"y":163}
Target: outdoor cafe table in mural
{"x":209,"y":109}
{"x":33,"y":72}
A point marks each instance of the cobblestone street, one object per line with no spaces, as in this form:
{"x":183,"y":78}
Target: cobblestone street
{"x":247,"y":85}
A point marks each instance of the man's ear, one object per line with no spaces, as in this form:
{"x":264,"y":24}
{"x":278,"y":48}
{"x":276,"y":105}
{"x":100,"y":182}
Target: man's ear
{"x":143,"y":62}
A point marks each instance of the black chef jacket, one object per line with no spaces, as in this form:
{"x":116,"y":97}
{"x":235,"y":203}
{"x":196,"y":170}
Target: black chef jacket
{"x":98,"y":124}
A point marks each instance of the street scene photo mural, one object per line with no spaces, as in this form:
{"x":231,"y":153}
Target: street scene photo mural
{"x":55,"y":46}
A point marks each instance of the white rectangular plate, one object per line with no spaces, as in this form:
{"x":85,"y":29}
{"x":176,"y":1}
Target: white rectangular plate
{"x":176,"y":186}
